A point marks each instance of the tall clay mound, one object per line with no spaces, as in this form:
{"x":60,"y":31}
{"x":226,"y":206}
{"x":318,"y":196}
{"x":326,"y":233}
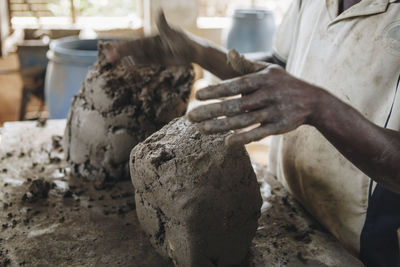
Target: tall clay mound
{"x":197,"y":199}
{"x":117,"y":108}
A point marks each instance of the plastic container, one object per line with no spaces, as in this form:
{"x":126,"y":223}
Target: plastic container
{"x":251,"y":31}
{"x":69,"y":61}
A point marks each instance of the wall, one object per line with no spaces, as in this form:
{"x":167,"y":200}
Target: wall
{"x":181,"y":13}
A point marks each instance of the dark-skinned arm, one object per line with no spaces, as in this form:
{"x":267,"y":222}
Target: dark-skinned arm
{"x":373,"y":149}
{"x":176,"y":47}
{"x":278,"y":103}
{"x":214,"y":59}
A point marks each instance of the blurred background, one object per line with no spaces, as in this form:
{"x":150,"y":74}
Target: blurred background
{"x":27,"y":27}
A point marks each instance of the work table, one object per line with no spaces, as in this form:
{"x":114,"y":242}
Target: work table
{"x":80,"y":223}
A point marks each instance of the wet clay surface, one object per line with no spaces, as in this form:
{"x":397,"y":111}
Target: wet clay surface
{"x":50,"y":218}
{"x":287,"y":234}
{"x":117,"y":107}
{"x":198,"y":200}
{"x":79,"y":225}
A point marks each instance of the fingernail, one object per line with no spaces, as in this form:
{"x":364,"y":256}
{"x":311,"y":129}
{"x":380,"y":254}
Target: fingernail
{"x":198,"y":95}
{"x":193,"y":117}
{"x":204,"y":93}
{"x":229,"y":140}
{"x":232,"y":140}
{"x":206,"y":127}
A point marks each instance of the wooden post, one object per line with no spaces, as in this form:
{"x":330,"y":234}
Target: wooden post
{"x":73,"y":14}
{"x":8,"y":16}
{"x":5,"y":21}
{"x":147,"y":17}
{"x":1,"y":39}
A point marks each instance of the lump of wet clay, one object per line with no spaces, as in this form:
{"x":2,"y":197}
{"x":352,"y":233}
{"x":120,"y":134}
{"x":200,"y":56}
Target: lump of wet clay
{"x":118,"y":107}
{"x":196,"y":198}
{"x":38,"y":189}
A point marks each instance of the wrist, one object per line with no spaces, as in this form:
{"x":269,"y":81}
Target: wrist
{"x":322,"y":108}
{"x":198,"y":52}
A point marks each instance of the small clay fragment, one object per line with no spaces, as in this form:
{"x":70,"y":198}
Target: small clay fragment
{"x":197,"y":199}
{"x":38,"y":189}
{"x":117,"y":108}
{"x":41,"y":122}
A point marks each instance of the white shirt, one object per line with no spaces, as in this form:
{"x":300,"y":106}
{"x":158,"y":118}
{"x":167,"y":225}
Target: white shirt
{"x":356,"y":57}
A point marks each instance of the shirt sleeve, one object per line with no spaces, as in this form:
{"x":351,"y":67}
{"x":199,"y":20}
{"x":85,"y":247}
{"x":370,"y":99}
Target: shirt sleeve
{"x":284,"y":36}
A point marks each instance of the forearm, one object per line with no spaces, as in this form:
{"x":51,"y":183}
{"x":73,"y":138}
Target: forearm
{"x":214,"y":59}
{"x":265,"y":57}
{"x":374,"y":150}
{"x":176,"y":47}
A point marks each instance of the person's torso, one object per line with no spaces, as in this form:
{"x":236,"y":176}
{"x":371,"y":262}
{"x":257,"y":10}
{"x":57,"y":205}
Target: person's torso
{"x":356,"y":57}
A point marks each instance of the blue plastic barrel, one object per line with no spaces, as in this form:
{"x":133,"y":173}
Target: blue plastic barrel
{"x":69,"y":62}
{"x":251,"y":30}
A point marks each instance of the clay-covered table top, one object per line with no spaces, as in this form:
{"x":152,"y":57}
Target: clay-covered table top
{"x":80,"y":223}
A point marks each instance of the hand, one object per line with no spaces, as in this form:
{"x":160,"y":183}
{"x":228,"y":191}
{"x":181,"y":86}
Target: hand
{"x":271,"y":97}
{"x":170,"y":47}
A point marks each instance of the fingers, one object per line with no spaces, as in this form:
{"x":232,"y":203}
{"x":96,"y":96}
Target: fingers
{"x":232,"y":107}
{"x":239,"y":121}
{"x":243,"y":66}
{"x":148,"y":51}
{"x":226,"y":108}
{"x":125,"y":48}
{"x":162,"y":23}
{"x":168,"y":34}
{"x":111,"y":53}
{"x":128,"y":61}
{"x":141,"y":51}
{"x":255,"y":134}
{"x":242,"y":85}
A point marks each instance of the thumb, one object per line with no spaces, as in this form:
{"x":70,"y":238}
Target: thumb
{"x":242,"y":65}
{"x":162,"y":24}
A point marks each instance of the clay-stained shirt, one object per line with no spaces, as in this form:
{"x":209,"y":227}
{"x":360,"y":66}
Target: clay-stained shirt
{"x":354,"y":55}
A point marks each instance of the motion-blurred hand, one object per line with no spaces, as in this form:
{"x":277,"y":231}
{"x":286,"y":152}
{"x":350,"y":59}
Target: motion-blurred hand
{"x":170,"y":47}
{"x":271,"y":98}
